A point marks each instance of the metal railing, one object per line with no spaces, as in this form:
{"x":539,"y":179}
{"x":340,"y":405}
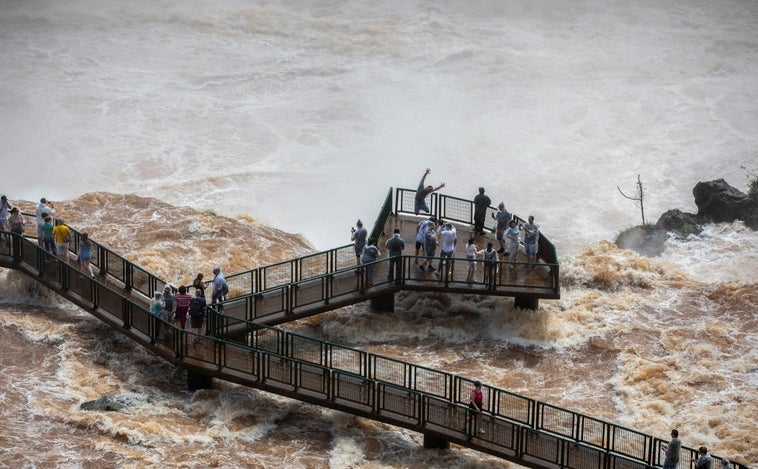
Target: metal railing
{"x":382,"y":388}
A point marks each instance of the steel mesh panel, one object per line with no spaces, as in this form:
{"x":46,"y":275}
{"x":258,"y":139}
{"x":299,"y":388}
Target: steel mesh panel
{"x":271,"y":302}
{"x":115,"y":266}
{"x":583,"y":457}
{"x":279,"y":369}
{"x":277,"y":275}
{"x":390,"y":371}
{"x":431,"y":381}
{"x":558,"y":420}
{"x":141,"y":318}
{"x":348,"y":360}
{"x":501,"y":433}
{"x":308,"y":292}
{"x":629,"y":442}
{"x":617,"y":462}
{"x":313,"y":266}
{"x":266,"y":339}
{"x":141,"y":280}
{"x":344,"y":283}
{"x":236,"y":308}
{"x":542,"y":446}
{"x":313,"y":378}
{"x":445,"y":414}
{"x":593,"y":432}
{"x":241,"y":284}
{"x":344,"y":257}
{"x":457,"y":209}
{"x":240,"y":359}
{"x":353,"y":389}
{"x":399,"y":401}
{"x":306,"y":349}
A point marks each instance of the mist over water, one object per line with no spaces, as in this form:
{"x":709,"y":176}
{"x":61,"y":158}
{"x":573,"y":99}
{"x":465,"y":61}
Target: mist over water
{"x":296,"y":117}
{"x":287,"y":110}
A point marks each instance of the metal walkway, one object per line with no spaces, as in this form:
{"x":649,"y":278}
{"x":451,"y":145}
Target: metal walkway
{"x":243,"y":350}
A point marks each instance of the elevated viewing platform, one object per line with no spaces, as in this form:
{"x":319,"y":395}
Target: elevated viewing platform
{"x":240,"y":345}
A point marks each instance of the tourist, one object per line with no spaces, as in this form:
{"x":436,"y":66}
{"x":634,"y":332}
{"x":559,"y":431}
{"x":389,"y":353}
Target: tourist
{"x":156,"y":309}
{"x":430,"y":247}
{"x":395,"y":246}
{"x":672,"y":450}
{"x":476,"y":403}
{"x":503,"y":219}
{"x":62,"y":236}
{"x":182,"y":301}
{"x":512,"y":236}
{"x":368,"y":257}
{"x":85,"y":254}
{"x":420,"y":231}
{"x":481,"y":204}
{"x":5,"y":207}
{"x":46,"y":229}
{"x":422,"y":192}
{"x":448,"y":237}
{"x":471,"y":253}
{"x":197,"y":308}
{"x":359,"y":235}
{"x":43,"y":208}
{"x":704,"y":460}
{"x":168,"y":303}
{"x":490,"y":265}
{"x":199,"y":284}
{"x":16,"y":222}
{"x":531,"y":241}
{"x":220,"y":288}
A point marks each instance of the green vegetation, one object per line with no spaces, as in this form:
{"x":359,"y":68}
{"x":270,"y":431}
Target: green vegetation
{"x":752,"y":185}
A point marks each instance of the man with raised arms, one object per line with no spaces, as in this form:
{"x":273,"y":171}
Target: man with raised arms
{"x":423,"y":191}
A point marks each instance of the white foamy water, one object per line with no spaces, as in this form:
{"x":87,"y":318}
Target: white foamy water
{"x":301,"y":115}
{"x":286,"y":111}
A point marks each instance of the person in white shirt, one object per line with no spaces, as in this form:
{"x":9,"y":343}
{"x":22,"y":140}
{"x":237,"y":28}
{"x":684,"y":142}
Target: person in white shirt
{"x":449,"y":238}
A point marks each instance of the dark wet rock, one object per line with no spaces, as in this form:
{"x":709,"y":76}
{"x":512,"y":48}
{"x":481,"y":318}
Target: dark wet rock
{"x":647,"y":240}
{"x":114,"y":403}
{"x":718,"y":202}
{"x":682,"y":224}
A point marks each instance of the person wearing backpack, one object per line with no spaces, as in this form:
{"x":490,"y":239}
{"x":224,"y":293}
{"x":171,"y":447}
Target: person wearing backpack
{"x":197,"y":306}
{"x":368,"y":257}
{"x":490,"y":266}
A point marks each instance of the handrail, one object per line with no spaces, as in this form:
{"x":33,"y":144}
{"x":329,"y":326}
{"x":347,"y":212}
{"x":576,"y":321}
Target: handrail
{"x":380,"y":376}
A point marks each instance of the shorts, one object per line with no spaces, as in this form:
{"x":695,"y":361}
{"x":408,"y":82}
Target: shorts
{"x":419,"y":245}
{"x":196,"y":322}
{"x":531,"y":249}
{"x":420,"y":207}
{"x":500,"y":232}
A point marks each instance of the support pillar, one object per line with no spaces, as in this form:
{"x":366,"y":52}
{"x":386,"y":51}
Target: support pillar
{"x":384,"y":304}
{"x":197,"y":381}
{"x":527,"y":302}
{"x":435,"y":442}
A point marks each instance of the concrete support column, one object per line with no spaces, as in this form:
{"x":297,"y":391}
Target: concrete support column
{"x":528,"y":302}
{"x":197,"y":381}
{"x":384,"y":304}
{"x":435,"y":442}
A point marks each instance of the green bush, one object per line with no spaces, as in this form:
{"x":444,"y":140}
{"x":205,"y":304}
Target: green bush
{"x":752,"y":187}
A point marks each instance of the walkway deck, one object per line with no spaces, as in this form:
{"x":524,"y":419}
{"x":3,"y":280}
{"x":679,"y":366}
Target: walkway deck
{"x":432,"y":402}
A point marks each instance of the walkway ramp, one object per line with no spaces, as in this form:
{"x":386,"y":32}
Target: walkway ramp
{"x":433,"y":402}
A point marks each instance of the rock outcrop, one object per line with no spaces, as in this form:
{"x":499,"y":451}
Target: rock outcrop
{"x":717,"y":202}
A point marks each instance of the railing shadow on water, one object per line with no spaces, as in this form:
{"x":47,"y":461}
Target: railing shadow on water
{"x":430,"y":401}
